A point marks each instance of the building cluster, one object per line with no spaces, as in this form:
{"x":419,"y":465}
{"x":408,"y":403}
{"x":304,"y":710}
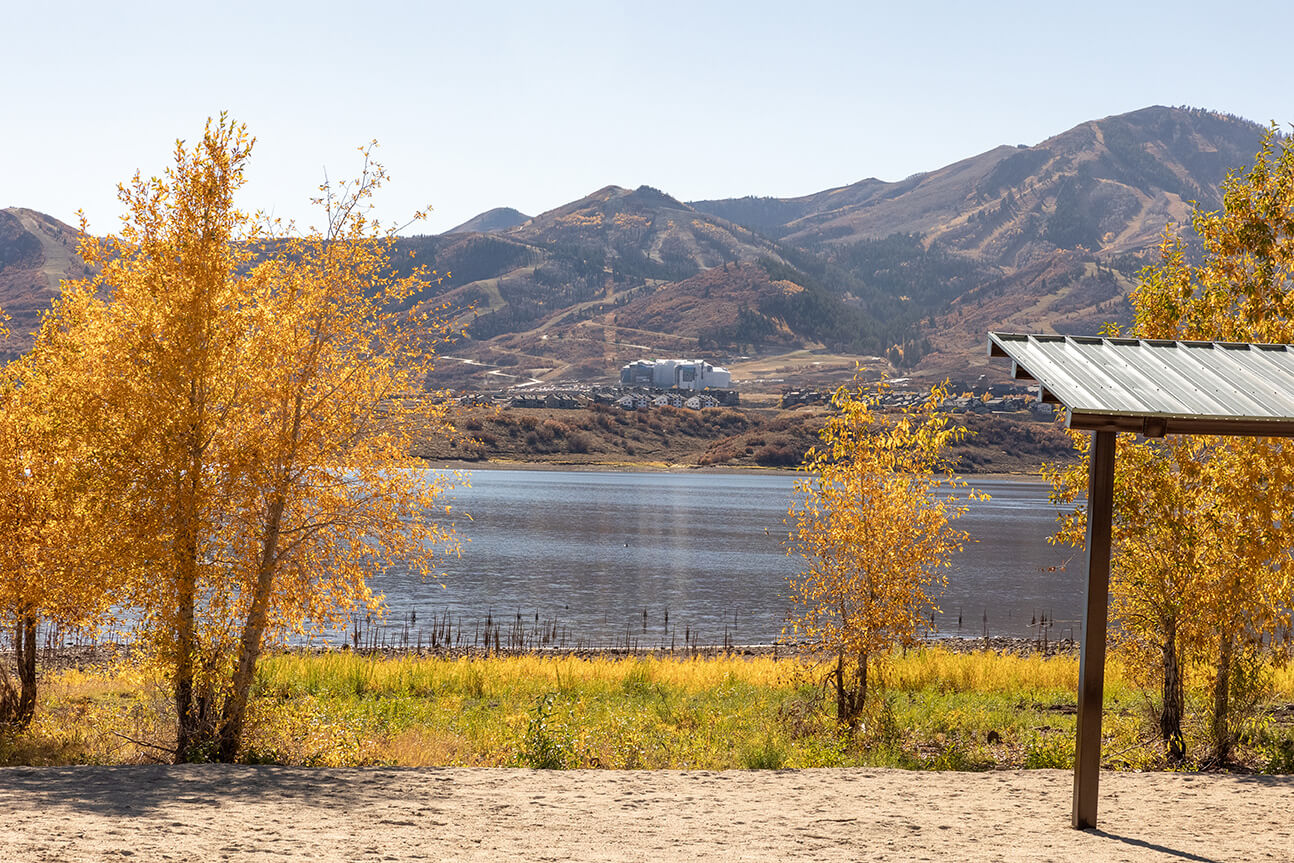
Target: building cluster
{"x":640,"y":400}
{"x":796,"y":398}
{"x":675,"y":375}
{"x":995,"y":399}
{"x":998,"y":405}
{"x":575,"y":396}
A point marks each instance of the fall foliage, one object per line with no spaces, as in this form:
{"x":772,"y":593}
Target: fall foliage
{"x":251,"y":394}
{"x":52,"y":562}
{"x":1201,"y":569}
{"x":872,"y":524}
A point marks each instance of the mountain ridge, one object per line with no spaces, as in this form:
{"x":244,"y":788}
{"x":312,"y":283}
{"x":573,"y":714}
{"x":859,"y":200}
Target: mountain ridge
{"x":1046,"y":237}
{"x":497,"y":219}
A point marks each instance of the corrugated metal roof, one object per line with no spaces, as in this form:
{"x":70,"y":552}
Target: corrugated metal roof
{"x":1156,"y":387}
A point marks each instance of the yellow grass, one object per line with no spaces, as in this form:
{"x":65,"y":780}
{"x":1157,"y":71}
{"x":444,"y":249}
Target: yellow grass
{"x":937,"y":709}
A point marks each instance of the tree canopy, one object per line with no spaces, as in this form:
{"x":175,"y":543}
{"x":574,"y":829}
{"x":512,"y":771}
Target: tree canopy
{"x":1201,"y":569}
{"x":872,"y":523}
{"x":250,"y":392}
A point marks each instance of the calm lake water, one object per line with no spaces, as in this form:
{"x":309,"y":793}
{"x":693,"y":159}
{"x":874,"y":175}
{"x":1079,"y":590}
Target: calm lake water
{"x":606,"y":558}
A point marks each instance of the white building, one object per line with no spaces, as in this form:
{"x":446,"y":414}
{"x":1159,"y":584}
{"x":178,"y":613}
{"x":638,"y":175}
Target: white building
{"x":634,"y":401}
{"x":696,"y":403}
{"x":676,"y":374}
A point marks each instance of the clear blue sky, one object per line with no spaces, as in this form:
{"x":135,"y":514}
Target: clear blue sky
{"x":531,"y":105}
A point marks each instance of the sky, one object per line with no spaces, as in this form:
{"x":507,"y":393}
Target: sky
{"x":532,"y":105}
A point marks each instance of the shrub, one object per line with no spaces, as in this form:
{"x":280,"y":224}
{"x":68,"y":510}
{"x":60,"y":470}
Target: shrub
{"x":1049,"y":750}
{"x":774,"y":455}
{"x":768,"y":754}
{"x":546,"y":746}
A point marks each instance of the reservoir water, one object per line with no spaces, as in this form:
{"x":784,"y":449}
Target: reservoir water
{"x":601,"y":558}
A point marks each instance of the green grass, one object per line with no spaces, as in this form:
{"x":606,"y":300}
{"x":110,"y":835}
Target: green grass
{"x":936,"y":710}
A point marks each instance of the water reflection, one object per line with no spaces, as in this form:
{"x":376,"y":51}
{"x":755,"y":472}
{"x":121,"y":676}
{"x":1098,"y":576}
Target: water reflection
{"x":607,"y":558}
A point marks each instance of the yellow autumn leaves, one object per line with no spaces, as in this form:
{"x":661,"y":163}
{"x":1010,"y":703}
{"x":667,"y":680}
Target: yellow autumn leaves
{"x":872,"y":524}
{"x":1202,"y":575}
{"x":243,"y":407}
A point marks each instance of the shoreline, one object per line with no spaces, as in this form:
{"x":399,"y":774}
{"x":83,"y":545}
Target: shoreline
{"x":671,"y":468}
{"x":97,"y":655}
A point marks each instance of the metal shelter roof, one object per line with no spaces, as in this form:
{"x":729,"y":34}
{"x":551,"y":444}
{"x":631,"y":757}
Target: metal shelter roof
{"x":1153,"y":388}
{"x":1157,"y":387}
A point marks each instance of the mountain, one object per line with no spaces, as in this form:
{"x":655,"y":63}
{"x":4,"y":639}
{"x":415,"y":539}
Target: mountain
{"x":1107,"y":184}
{"x":498,"y":219}
{"x":1047,"y":238}
{"x":36,"y":253}
{"x":644,"y":229}
{"x":581,"y":289}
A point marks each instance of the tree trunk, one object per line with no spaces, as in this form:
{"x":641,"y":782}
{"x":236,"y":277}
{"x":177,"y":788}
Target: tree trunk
{"x":234,"y":714}
{"x":838,"y":676}
{"x":18,"y":706}
{"x":193,"y":730}
{"x":193,"y":696}
{"x":1220,"y":721}
{"x":1170,"y":716}
{"x":25,"y":653}
{"x":851,"y":690}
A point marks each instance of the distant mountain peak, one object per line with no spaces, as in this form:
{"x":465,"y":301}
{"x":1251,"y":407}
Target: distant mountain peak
{"x":498,"y":219}
{"x":652,"y":196}
{"x":610,"y":200}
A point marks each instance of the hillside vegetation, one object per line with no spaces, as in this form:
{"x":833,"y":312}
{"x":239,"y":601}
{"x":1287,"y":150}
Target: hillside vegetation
{"x":1046,"y":237}
{"x":712,"y":438}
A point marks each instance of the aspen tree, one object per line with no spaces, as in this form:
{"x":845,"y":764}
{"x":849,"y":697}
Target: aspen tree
{"x":1201,"y":565}
{"x":24,"y":583}
{"x":872,"y":523}
{"x":258,"y":391}
{"x":54,"y":538}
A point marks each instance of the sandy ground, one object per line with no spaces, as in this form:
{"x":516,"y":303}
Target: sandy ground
{"x":320,"y":815}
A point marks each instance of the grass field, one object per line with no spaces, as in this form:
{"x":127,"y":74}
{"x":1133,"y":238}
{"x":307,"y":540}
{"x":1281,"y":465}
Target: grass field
{"x":937,"y":710}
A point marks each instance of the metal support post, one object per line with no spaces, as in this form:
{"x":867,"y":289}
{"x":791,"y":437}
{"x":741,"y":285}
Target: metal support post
{"x":1091,"y":668}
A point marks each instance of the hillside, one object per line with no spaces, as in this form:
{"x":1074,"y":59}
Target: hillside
{"x":1108,"y":185}
{"x":36,"y":253}
{"x":599,"y":435}
{"x":1047,"y":237}
{"x":576,"y":292}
